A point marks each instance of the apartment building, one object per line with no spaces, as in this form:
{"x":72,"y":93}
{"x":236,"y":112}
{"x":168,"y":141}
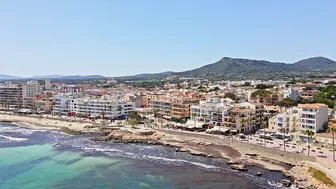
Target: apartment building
{"x":61,"y":104}
{"x":44,"y":84}
{"x":44,"y":105}
{"x":173,"y":107}
{"x":212,"y":111}
{"x":261,"y":116}
{"x":108,"y":106}
{"x":313,"y":117}
{"x":240,"y":119}
{"x":11,"y":97}
{"x":288,"y":121}
{"x":308,"y":94}
{"x":28,"y":102}
{"x":31,"y":88}
{"x":290,"y":93}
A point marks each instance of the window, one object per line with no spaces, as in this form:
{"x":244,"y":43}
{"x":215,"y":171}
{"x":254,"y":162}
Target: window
{"x":310,"y":121}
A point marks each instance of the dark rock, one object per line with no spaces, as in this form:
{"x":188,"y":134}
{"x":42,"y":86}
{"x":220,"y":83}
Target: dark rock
{"x":285,"y":182}
{"x":259,"y":174}
{"x":240,"y":167}
{"x":253,"y":155}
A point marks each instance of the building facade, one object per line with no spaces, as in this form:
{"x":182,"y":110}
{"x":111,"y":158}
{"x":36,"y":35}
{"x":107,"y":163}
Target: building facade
{"x":44,"y":83}
{"x":31,"y":88}
{"x":289,"y":121}
{"x":172,"y":107}
{"x":240,"y":119}
{"x":109,"y":107}
{"x":212,"y":111}
{"x":290,"y":93}
{"x":11,"y":97}
{"x":313,"y":117}
{"x":60,"y":104}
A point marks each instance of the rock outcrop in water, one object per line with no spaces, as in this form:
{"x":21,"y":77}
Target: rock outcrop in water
{"x":130,"y":137}
{"x":70,"y":131}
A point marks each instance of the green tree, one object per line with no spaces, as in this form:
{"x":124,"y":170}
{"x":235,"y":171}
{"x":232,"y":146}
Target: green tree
{"x":133,"y":122}
{"x":287,"y":102}
{"x":247,"y":84}
{"x":263,"y":86}
{"x":261,"y":95}
{"x":230,"y":95}
{"x":326,"y":96}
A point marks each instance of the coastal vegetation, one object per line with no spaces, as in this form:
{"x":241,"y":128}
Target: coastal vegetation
{"x":70,"y":131}
{"x":320,"y":176}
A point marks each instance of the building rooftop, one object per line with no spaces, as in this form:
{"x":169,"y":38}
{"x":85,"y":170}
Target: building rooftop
{"x":314,"y":106}
{"x":241,"y":110}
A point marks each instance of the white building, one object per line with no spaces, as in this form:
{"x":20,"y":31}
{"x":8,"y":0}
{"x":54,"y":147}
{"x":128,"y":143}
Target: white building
{"x":290,"y":93}
{"x":313,"y":117}
{"x":213,"y":110}
{"x":61,"y":104}
{"x":31,"y":88}
{"x":110,"y":106}
{"x":44,"y":83}
{"x":288,"y":121}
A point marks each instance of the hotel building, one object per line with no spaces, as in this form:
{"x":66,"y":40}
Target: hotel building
{"x":108,"y":106}
{"x":313,"y":117}
{"x":212,"y":110}
{"x":173,"y":107}
{"x":11,"y":97}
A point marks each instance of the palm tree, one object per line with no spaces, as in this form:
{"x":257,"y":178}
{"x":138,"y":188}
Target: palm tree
{"x":52,"y":108}
{"x":283,"y":130}
{"x":333,"y":129}
{"x":310,"y":135}
{"x":204,"y":118}
{"x":218,"y":118}
{"x":193,"y":115}
{"x":248,"y":121}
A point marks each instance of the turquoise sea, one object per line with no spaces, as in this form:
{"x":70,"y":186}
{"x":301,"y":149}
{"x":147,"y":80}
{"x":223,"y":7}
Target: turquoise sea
{"x":34,"y":159}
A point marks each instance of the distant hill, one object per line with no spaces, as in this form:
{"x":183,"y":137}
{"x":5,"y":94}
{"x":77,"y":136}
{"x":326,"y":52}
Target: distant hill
{"x":237,"y":66}
{"x":59,"y":77}
{"x":317,"y":64}
{"x":8,"y":77}
{"x":147,"y":76}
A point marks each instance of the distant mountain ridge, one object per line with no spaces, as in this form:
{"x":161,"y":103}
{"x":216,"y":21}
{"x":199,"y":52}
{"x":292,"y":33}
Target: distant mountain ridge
{"x":231,"y":66}
{"x":64,"y":77}
{"x":224,"y":68}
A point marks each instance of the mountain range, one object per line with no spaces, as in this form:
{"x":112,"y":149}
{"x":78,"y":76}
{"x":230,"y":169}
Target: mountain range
{"x":233,"y":66}
{"x":224,"y":68}
{"x":240,"y":68}
{"x":59,"y":77}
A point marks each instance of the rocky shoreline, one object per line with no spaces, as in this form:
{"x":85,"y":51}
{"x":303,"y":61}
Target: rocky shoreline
{"x":237,"y":154}
{"x":239,"y":161}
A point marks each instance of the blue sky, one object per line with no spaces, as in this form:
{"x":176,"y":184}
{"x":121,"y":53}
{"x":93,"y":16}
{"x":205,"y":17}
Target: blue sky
{"x":126,"y":37}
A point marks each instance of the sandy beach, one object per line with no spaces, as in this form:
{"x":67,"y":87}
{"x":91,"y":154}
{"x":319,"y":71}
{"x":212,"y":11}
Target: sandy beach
{"x":50,"y":123}
{"x":235,"y":152}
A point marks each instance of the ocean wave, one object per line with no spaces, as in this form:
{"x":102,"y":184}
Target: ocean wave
{"x":13,"y":138}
